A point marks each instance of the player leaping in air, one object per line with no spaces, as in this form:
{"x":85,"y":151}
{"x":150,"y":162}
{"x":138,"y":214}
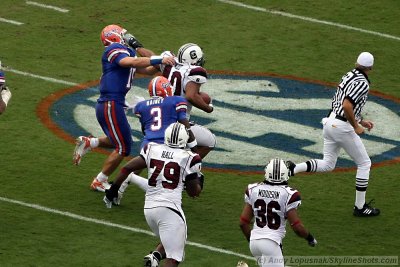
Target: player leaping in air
{"x":120,"y":64}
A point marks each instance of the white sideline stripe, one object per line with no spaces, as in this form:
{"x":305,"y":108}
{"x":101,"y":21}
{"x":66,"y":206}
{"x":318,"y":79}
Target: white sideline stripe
{"x":47,"y":6}
{"x":11,"y":21}
{"x":124,"y":227}
{"x":49,"y":79}
{"x":235,"y":3}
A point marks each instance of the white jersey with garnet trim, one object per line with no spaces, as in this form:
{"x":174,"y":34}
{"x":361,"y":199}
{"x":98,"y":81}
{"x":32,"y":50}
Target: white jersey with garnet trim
{"x":167,"y":170}
{"x":270,"y":204}
{"x":181,"y":74}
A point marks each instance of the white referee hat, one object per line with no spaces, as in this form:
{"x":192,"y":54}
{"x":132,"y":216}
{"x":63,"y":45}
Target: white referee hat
{"x":365,"y":59}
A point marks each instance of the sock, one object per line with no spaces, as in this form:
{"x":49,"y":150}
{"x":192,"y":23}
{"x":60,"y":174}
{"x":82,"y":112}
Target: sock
{"x":301,"y":167}
{"x":94,"y":142}
{"x":360,"y":199}
{"x":157,"y":255}
{"x":124,"y":185}
{"x":141,"y":182}
{"x":101,"y":177}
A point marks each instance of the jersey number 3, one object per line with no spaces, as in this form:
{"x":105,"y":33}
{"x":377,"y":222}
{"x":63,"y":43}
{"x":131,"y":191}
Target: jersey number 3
{"x":265,"y":214}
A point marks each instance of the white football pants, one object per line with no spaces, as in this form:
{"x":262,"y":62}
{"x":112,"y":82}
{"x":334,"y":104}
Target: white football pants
{"x":204,"y":136}
{"x":171,"y":228}
{"x":339,"y":134}
{"x":267,"y":252}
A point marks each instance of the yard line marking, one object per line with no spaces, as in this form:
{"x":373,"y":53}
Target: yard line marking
{"x":47,"y":6}
{"x":285,"y":14}
{"x":11,"y":21}
{"x":120,"y":226}
{"x":49,"y":79}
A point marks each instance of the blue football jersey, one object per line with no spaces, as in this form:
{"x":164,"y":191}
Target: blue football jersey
{"x":2,"y":78}
{"x":115,"y":81}
{"x":157,"y":113}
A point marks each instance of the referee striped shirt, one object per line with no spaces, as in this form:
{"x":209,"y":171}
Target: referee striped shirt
{"x":354,"y":86}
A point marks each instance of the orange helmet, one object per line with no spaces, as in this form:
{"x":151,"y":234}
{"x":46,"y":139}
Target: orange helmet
{"x":160,"y":86}
{"x":112,"y":34}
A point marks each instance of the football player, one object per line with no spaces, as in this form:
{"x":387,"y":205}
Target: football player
{"x":161,"y":110}
{"x":171,"y":168}
{"x":155,"y":115}
{"x":120,"y":64}
{"x":186,"y":78}
{"x":271,"y":203}
{"x":5,"y":93}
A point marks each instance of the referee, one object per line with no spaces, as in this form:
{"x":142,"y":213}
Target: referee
{"x":341,"y":129}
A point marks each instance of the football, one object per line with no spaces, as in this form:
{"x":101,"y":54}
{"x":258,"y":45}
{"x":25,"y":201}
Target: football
{"x":205,"y":97}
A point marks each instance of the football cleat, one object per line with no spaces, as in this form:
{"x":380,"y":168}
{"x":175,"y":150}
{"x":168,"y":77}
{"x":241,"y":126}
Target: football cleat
{"x":81,"y":148}
{"x":150,"y":261}
{"x":366,"y":211}
{"x":290,"y":165}
{"x":96,"y":185}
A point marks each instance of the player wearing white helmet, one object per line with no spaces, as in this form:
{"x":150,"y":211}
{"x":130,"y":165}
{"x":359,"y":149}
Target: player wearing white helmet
{"x":171,"y":168}
{"x":186,"y":77}
{"x":271,"y":203}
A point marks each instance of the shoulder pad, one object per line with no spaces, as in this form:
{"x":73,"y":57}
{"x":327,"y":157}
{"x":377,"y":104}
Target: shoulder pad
{"x":198,"y":75}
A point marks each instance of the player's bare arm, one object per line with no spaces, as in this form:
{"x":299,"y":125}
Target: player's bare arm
{"x":2,"y":106}
{"x":299,"y":228}
{"x":245,"y":220}
{"x":137,"y":163}
{"x":144,"y":52}
{"x":193,"y":96}
{"x":349,"y":114}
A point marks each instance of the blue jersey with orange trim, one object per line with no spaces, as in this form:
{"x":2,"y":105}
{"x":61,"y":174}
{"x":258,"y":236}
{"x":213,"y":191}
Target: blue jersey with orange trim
{"x":157,"y":113}
{"x":116,"y":80}
{"x":2,"y":78}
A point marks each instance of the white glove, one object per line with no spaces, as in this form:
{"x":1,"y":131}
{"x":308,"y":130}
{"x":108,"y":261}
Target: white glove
{"x":135,"y":101}
{"x":6,"y":95}
{"x":107,"y":202}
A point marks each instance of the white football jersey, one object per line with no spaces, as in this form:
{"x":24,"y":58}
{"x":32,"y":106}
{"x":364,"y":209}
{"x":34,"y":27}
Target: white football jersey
{"x":180,"y":74}
{"x":270,"y":205}
{"x":167,"y":169}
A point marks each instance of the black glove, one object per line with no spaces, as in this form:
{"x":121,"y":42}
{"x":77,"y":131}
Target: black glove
{"x":311,"y":240}
{"x":201,"y":180}
{"x":132,"y":41}
{"x":112,"y":192}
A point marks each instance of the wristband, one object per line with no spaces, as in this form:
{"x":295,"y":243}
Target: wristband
{"x":192,"y":144}
{"x":155,"y":60}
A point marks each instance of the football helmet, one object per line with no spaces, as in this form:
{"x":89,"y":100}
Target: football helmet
{"x":112,"y":34}
{"x":191,"y":54}
{"x":176,"y":135}
{"x":276,"y":171}
{"x":160,"y":86}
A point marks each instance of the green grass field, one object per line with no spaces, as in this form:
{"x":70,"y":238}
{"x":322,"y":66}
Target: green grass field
{"x":71,"y":227}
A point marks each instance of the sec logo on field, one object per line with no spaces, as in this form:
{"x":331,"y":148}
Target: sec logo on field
{"x":256,"y":117}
